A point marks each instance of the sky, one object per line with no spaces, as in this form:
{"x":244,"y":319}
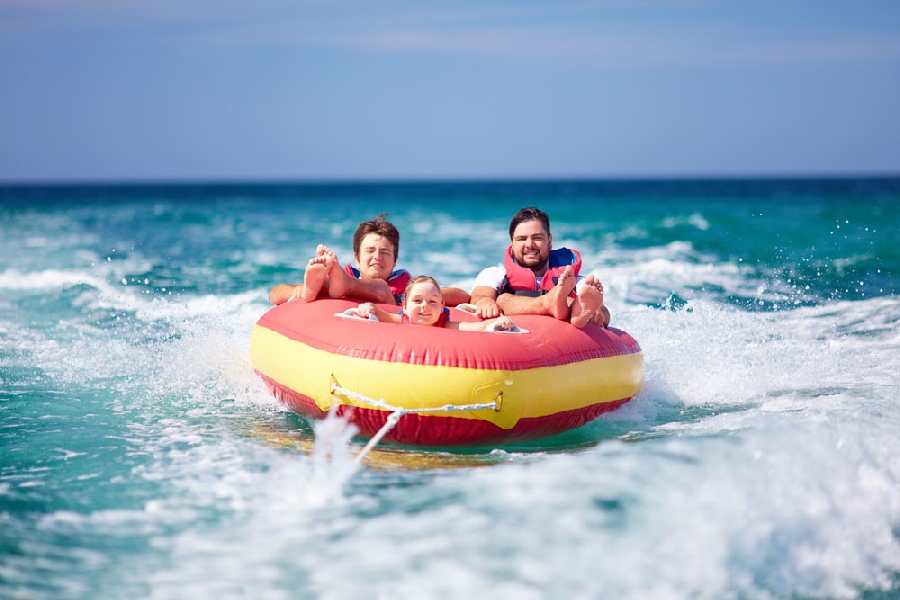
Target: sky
{"x":208,"y":90}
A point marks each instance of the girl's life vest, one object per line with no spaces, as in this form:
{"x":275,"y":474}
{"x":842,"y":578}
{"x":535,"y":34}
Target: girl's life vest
{"x":521,"y":281}
{"x":397,"y":281}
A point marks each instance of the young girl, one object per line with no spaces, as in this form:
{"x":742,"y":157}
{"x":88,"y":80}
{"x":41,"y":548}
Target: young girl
{"x":423,"y":304}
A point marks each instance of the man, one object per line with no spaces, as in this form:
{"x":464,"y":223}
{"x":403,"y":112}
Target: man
{"x":535,"y":279}
{"x":376,"y":246}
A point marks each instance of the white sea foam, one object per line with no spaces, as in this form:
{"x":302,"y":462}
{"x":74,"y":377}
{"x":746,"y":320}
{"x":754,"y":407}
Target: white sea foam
{"x":695,"y":220}
{"x":759,"y":461}
{"x":710,"y":354}
{"x":792,"y":489}
{"x":49,"y":280}
{"x":784,"y":507}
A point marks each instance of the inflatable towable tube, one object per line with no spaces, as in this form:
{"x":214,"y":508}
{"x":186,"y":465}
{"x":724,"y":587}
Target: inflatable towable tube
{"x":510,"y":387}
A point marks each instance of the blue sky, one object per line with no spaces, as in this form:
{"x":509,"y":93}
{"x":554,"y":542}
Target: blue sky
{"x":352,"y":89}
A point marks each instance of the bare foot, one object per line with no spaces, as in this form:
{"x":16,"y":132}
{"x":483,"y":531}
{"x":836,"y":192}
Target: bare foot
{"x":338,"y":281}
{"x":314,"y":279}
{"x":588,"y":301}
{"x":558,"y":297}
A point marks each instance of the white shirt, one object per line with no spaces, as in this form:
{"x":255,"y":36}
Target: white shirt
{"x":493,"y":277}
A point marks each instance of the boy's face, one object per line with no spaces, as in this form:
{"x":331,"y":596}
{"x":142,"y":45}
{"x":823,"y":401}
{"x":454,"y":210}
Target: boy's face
{"x":376,"y":257}
{"x":423,"y":304}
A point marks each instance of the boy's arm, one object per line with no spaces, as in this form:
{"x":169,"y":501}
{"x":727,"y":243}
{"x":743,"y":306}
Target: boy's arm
{"x":454,"y":296}
{"x":284,"y":292}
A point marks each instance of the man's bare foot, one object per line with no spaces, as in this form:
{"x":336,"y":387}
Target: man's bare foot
{"x":315,"y":277}
{"x":588,"y":301}
{"x":558,"y":297}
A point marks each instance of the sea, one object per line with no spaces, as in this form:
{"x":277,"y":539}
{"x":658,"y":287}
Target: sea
{"x":142,"y":457}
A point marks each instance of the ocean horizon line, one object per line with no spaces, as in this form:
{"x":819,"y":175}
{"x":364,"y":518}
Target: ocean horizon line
{"x":164,"y":182}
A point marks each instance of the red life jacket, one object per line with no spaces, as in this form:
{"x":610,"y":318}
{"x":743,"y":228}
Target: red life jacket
{"x":397,"y":281}
{"x":441,"y":322}
{"x":521,"y":280}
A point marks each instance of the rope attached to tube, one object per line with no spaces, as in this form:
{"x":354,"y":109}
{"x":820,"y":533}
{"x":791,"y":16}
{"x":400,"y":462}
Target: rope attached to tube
{"x":397,"y":412}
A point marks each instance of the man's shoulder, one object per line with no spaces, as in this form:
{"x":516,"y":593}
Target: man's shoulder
{"x":494,"y":269}
{"x":491,"y":277}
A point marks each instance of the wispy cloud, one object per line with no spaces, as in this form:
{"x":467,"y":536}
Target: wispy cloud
{"x":599,"y":34}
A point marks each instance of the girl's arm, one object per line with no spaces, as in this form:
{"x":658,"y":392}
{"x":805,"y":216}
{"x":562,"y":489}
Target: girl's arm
{"x":367,"y":308}
{"x":504,"y":323}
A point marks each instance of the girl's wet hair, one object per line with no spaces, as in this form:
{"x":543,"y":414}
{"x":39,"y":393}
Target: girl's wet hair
{"x":422,"y":279}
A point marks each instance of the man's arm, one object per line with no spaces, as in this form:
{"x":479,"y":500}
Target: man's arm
{"x":512,"y":304}
{"x":485,"y":300}
{"x":484,"y":294}
{"x":555,"y":303}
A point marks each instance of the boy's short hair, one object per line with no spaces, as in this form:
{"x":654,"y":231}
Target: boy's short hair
{"x":378,"y":226}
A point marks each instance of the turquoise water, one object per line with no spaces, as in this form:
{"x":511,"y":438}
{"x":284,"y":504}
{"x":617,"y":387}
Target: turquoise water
{"x":140,"y":456}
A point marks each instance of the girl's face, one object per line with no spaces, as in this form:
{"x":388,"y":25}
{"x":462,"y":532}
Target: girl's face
{"x":423,"y":304}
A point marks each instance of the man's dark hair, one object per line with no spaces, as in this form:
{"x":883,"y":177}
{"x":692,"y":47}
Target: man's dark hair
{"x":381,"y":227}
{"x":531,"y":213}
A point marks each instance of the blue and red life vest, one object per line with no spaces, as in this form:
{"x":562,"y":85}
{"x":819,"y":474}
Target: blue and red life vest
{"x":397,"y":281}
{"x":521,"y":281}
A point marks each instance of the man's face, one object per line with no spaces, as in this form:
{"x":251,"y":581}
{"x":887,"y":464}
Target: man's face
{"x":531,"y":246}
{"x":376,"y":257}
